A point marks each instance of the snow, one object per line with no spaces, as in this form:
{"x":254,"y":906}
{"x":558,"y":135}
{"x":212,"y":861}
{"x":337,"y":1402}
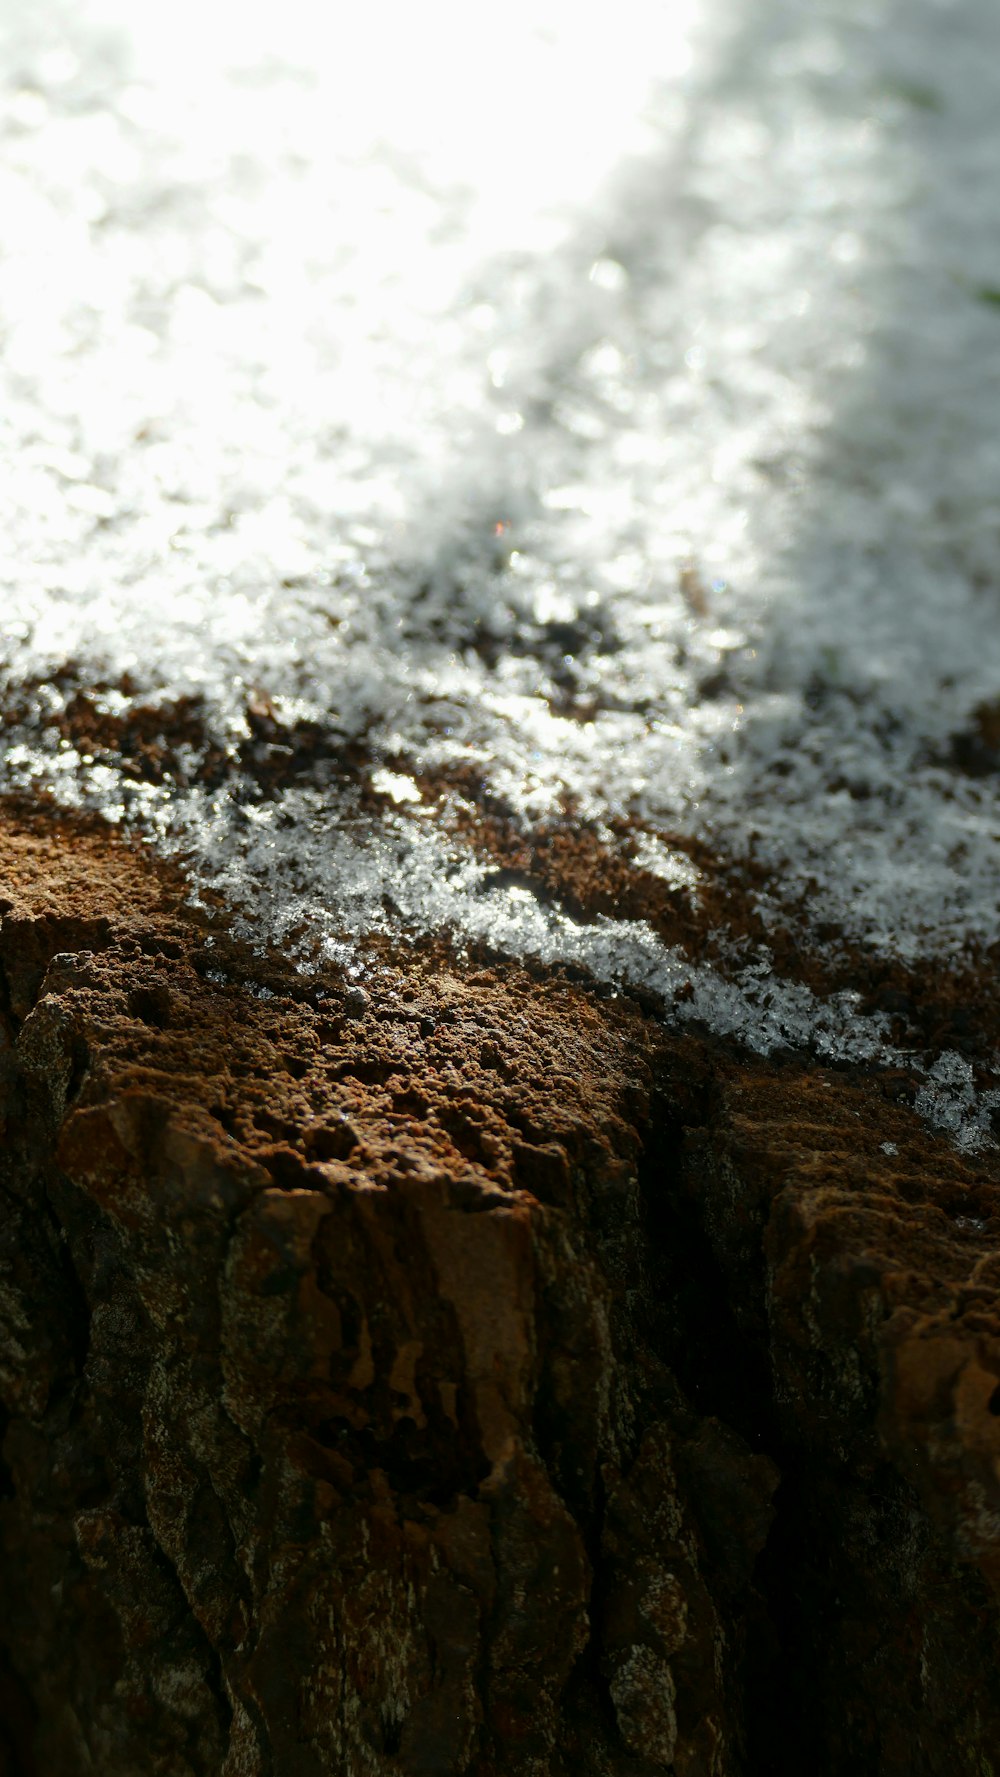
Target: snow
{"x":405,"y":365}
{"x":950,"y":1101}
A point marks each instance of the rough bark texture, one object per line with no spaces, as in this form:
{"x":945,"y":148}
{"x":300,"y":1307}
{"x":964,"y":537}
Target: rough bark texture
{"x":455,"y":1374}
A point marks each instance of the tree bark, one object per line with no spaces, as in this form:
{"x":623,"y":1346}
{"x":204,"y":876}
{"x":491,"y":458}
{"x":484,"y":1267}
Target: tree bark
{"x":459,"y":1373}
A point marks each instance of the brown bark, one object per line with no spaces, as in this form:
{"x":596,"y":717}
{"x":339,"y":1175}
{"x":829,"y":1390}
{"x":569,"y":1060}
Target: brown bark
{"x":454,"y":1373}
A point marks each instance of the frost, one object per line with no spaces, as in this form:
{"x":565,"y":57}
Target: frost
{"x":612,"y":412}
{"x":951,"y":1102}
{"x":394,"y":785}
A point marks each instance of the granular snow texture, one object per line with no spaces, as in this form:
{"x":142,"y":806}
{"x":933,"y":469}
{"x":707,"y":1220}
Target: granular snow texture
{"x":426,"y":432}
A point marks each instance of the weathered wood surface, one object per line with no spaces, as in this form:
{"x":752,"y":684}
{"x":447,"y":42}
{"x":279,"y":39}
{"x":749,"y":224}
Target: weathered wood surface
{"x":463,"y":1374}
{"x":500,"y":701}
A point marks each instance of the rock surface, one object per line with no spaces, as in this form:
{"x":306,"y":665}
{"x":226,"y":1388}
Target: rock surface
{"x":461,"y":1374}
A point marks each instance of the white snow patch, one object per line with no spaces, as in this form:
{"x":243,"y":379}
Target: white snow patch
{"x":614,"y":406}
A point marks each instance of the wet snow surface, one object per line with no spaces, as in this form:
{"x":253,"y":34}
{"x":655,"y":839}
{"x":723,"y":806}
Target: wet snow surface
{"x":609,"y":403}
